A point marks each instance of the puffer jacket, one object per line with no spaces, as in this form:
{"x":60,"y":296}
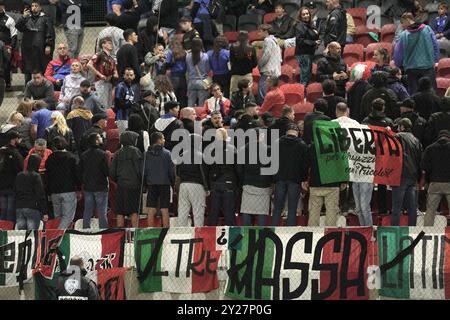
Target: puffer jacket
{"x":126,"y":167}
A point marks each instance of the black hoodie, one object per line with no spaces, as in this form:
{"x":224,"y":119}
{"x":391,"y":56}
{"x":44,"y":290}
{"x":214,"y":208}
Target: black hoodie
{"x":433,"y":161}
{"x":127,"y":164}
{"x":379,"y":119}
{"x":438,"y":121}
{"x":29,"y":189}
{"x":167,"y":124}
{"x":62,"y":164}
{"x":293,"y":160}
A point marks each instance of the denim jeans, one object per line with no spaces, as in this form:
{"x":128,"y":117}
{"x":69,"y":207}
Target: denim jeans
{"x":305,"y":63}
{"x":197,"y":94}
{"x":362,"y":192}
{"x":292,"y":190}
{"x":247,"y":219}
{"x":28,"y":219}
{"x":222,"y":197}
{"x":405,"y":192}
{"x":64,"y":207}
{"x":74,"y":41}
{"x":7,"y":205}
{"x":92,"y":201}
{"x":262,"y":89}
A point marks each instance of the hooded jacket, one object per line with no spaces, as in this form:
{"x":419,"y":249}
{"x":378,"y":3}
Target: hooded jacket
{"x":418,"y":124}
{"x":294,"y":160}
{"x":126,"y":167}
{"x":250,"y":174}
{"x":427,"y":102}
{"x":192,"y":172}
{"x":438,"y":121}
{"x":94,"y":170}
{"x":159,"y":169}
{"x":71,"y":87}
{"x":79,"y":120}
{"x":384,"y":93}
{"x":281,"y":125}
{"x":412,"y":154}
{"x":62,"y":164}
{"x":283,"y":27}
{"x":167,"y":124}
{"x":417,"y":48}
{"x":87,"y":288}
{"x":29,"y":189}
{"x":12,"y":167}
{"x":379,"y":119}
{"x":435,"y":169}
{"x":354,"y":98}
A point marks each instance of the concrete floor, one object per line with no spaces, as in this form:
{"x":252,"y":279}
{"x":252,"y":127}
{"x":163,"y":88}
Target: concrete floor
{"x":12,"y":100}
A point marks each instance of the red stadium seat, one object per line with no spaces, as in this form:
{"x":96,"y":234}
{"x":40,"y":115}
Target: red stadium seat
{"x":302,"y":221}
{"x":370,"y":49}
{"x":385,"y":221}
{"x":388,"y":32}
{"x":443,"y":68}
{"x":231,"y":36}
{"x":254,"y":36}
{"x":6,"y":225}
{"x":293,"y":62}
{"x":289,"y":52}
{"x":287,"y":73}
{"x":442,"y":85}
{"x":362,"y":35}
{"x":52,"y":224}
{"x":293,"y":93}
{"x":314,"y":91}
{"x":359,"y":15}
{"x":353,"y":53}
{"x":269,"y":17}
{"x":301,"y":109}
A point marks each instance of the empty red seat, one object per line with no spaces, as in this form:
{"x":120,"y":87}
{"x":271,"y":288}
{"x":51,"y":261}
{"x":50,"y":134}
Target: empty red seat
{"x":353,"y":53}
{"x":287,"y":73}
{"x":443,"y":68}
{"x":269,"y":17}
{"x":293,"y":93}
{"x":254,"y":36}
{"x":388,"y":32}
{"x":289,"y":52}
{"x":362,"y":35}
{"x":6,"y":225}
{"x":370,"y":49}
{"x":314,"y":91}
{"x":301,"y":109}
{"x":442,"y":85}
{"x":359,"y":15}
{"x":231,"y":36}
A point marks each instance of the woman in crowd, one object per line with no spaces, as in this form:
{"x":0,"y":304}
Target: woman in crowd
{"x":164,"y":92}
{"x":26,"y":109}
{"x":382,"y":60}
{"x":61,"y":129}
{"x":219,"y":57}
{"x":242,"y":59}
{"x":198,"y":68}
{"x":176,"y":63}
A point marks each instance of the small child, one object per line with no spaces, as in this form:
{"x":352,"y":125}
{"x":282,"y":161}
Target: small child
{"x":441,"y":25}
{"x":159,"y":177}
{"x":31,"y":201}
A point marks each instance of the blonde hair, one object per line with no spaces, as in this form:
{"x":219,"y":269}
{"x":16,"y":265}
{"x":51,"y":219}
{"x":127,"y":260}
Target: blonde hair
{"x":25,"y":108}
{"x":15,"y":118}
{"x":60,"y":122}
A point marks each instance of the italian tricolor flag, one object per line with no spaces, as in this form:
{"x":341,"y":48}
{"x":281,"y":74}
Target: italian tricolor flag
{"x":177,"y":260}
{"x":357,"y":153}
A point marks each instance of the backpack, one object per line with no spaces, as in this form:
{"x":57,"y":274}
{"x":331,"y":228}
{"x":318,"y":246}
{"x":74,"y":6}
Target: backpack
{"x":215,"y":8}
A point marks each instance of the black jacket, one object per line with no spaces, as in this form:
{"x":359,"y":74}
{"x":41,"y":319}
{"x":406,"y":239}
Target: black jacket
{"x":52,"y":132}
{"x":167,"y":125}
{"x":6,"y":26}
{"x":62,"y":164}
{"x":29,"y":190}
{"x":418,"y":124}
{"x":242,"y":65}
{"x":148,"y":113}
{"x":354,"y":98}
{"x":127,"y":57}
{"x":127,"y":164}
{"x":238,"y":101}
{"x":438,"y":121}
{"x":281,"y":125}
{"x":128,"y":20}
{"x":79,"y":126}
{"x":251,"y":174}
{"x":88,"y":289}
{"x":267,"y":5}
{"x":308,"y":125}
{"x":336,"y":27}
{"x":305,"y":40}
{"x":387,"y":95}
{"x":224,"y":173}
{"x":283,"y":28}
{"x":328,"y":65}
{"x":167,"y":14}
{"x":5,"y":58}
{"x":12,"y":166}
{"x":332,"y":102}
{"x":412,"y":154}
{"x":427,"y":103}
{"x":191,"y":172}
{"x":379,"y":119}
{"x":159,"y":168}
{"x":294,"y":160}
{"x":94,"y":170}
{"x":432,"y":161}
{"x":84,"y":145}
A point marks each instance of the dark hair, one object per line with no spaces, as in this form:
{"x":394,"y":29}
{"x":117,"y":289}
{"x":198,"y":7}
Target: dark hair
{"x":329,"y":86}
{"x":280,"y":4}
{"x":405,"y":123}
{"x":424,"y":84}
{"x":300,"y":15}
{"x":135,"y":123}
{"x":378,"y":79}
{"x":185,"y":19}
{"x":85,"y":83}
{"x":163,"y":84}
{"x":378,"y":104}
{"x":197,"y":48}
{"x":92,"y":139}
{"x":34,"y":162}
{"x":266,"y":27}
{"x":242,"y":45}
{"x":59,"y":143}
{"x":177,"y":48}
{"x":128,"y":69}
{"x":393,"y":71}
{"x":321,"y":105}
{"x":155,"y":137}
{"x":384,"y":53}
{"x":341,"y":107}
{"x":104,"y":40}
{"x":128,"y":5}
{"x":408,"y":103}
{"x":111,"y":19}
{"x":443,"y":4}
{"x":215,"y":85}
{"x":220,"y":42}
{"x":215,"y":112}
{"x":243,"y":83}
{"x":37,"y":72}
{"x":152,"y":21}
{"x":286,"y":110}
{"x":36,"y":1}
{"x":407,"y":16}
{"x":127,"y":33}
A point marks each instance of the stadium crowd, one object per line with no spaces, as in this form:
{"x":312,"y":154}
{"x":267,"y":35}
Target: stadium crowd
{"x":94,"y":131}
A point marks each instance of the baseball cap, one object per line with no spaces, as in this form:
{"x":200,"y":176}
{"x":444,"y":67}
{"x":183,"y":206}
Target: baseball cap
{"x":99,"y":116}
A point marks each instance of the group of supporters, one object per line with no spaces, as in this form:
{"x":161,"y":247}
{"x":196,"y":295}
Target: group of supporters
{"x":98,"y":128}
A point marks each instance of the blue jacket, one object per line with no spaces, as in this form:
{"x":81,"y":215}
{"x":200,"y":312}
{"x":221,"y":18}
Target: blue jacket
{"x":176,"y":66}
{"x":219,"y":64}
{"x":125,"y":96}
{"x":445,"y":27}
{"x":417,"y":48}
{"x":159,"y":169}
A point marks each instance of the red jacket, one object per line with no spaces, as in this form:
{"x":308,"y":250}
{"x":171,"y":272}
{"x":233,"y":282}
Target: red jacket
{"x":56,"y":70}
{"x":273,"y":103}
{"x":209,"y":106}
{"x":47,"y":154}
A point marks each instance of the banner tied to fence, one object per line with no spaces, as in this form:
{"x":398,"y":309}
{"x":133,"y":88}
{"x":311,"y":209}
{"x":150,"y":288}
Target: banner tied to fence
{"x":357,"y":153}
{"x":256,"y":263}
